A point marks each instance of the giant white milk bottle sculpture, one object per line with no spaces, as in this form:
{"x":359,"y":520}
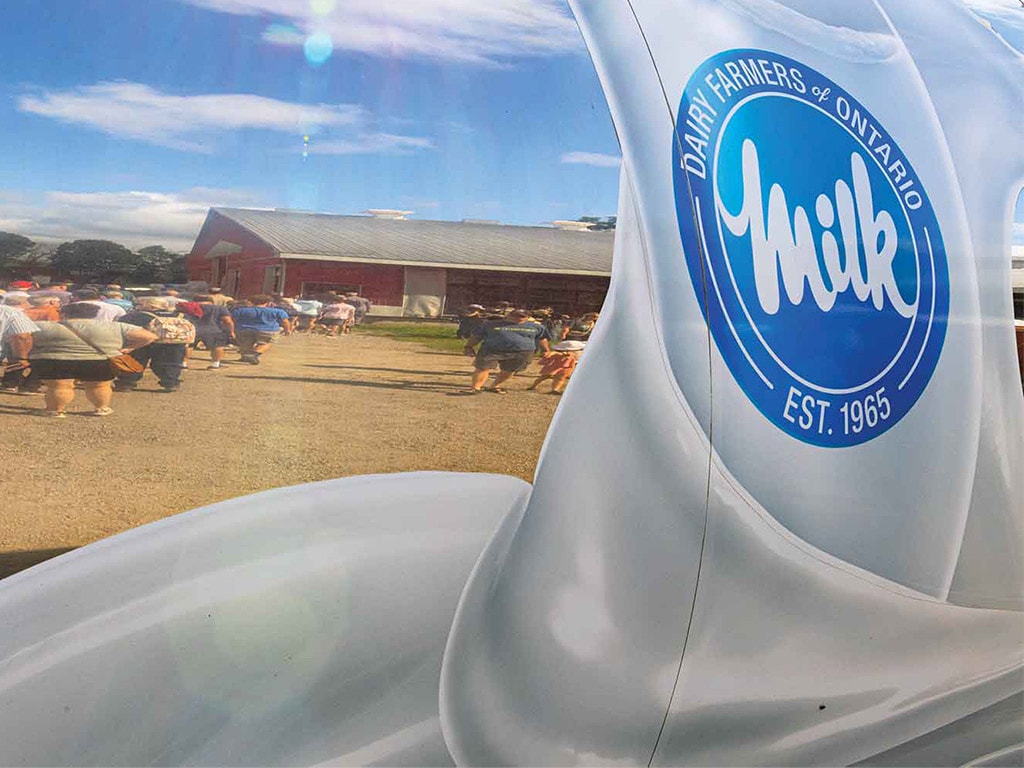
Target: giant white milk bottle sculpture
{"x":778,"y":518}
{"x":790,"y":185}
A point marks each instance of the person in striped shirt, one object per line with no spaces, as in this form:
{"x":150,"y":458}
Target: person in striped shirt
{"x":16,"y":336}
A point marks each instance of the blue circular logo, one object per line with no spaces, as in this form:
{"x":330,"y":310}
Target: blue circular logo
{"x":812,"y":246}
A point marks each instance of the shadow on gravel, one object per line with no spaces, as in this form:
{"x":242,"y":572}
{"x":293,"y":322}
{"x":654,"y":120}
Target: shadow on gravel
{"x":20,"y":409}
{"x":391,"y":370}
{"x":409,"y":386}
{"x":12,"y":562}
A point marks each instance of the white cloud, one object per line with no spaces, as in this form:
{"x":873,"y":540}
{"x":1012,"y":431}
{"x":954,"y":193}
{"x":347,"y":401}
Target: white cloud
{"x":484,"y":32}
{"x":592,"y":158}
{"x":194,"y":123}
{"x":1018,"y":232}
{"x":283,"y":34}
{"x":132,"y":218}
{"x":371,"y":143}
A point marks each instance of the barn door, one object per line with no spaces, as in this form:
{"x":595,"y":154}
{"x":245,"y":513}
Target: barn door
{"x":424,"y":291}
{"x":272,"y":279}
{"x":232,"y":282}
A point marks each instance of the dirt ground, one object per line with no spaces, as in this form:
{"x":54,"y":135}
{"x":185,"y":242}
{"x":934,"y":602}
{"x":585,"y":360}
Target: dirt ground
{"x":316,"y":408}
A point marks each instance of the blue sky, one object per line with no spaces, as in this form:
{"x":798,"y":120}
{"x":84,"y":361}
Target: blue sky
{"x":127,"y":119}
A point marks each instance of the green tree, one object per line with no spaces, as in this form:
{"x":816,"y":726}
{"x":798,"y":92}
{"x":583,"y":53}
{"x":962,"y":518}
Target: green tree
{"x":94,"y":260}
{"x":35,"y":261}
{"x":600,"y":225}
{"x":12,"y":248}
{"x":156,"y":264}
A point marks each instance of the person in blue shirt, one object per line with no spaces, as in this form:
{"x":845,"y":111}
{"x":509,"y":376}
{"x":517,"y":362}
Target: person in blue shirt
{"x":257,"y":327}
{"x":508,"y":344}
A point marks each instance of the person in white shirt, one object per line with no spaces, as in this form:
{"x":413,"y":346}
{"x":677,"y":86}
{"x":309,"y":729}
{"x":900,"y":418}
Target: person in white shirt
{"x":16,"y":331}
{"x":108,"y":312}
{"x":309,"y":311}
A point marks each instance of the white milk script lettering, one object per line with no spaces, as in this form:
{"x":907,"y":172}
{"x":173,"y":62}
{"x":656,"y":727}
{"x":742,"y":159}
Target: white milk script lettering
{"x":782,"y":246}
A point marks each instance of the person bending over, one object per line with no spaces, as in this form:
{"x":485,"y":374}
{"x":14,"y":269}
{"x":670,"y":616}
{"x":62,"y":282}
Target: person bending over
{"x":559,"y":365}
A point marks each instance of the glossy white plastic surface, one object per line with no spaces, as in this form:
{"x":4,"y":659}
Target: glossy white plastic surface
{"x":806,"y":587}
{"x":567,"y":641}
{"x":294,"y":627}
{"x":792,"y":656}
{"x":990,"y":565}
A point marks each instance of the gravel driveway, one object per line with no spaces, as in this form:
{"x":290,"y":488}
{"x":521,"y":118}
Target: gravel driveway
{"x":317,"y":408}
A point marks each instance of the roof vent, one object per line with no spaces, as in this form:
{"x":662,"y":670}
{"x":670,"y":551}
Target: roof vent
{"x":487,"y":222}
{"x":387,"y":213}
{"x":573,"y":226}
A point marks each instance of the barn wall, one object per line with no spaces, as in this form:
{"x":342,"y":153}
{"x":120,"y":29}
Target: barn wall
{"x":249,"y":263}
{"x":383,"y":285}
{"x":252,"y":269}
{"x":243,"y":275}
{"x":571,"y":294}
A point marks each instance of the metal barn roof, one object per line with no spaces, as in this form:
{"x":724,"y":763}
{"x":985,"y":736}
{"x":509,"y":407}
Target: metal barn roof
{"x":301,"y":235}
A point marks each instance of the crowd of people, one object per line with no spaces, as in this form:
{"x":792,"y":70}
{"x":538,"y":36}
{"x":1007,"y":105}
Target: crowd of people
{"x":506,"y":339}
{"x":104,"y":337}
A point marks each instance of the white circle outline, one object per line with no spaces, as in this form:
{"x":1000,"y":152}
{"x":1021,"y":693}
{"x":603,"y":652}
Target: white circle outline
{"x":739,"y":297}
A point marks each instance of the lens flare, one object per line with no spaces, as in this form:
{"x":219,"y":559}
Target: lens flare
{"x":318,"y":48}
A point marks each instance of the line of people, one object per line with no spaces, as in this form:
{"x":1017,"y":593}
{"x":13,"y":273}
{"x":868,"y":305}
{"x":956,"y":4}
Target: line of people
{"x":336,"y":315}
{"x":54,"y":337}
{"x":105,"y":338}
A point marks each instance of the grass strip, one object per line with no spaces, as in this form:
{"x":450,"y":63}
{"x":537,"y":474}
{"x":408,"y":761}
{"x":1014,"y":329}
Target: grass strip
{"x":440,"y":336}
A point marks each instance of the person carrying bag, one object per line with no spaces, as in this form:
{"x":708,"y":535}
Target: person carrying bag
{"x":81,"y":348}
{"x":119,"y":363}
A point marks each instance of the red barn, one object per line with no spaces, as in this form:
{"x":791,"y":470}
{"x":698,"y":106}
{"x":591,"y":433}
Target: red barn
{"x":404,"y":266}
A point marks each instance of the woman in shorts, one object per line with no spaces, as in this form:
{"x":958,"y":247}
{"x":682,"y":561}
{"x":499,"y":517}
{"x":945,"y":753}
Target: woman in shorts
{"x":79,"y":348}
